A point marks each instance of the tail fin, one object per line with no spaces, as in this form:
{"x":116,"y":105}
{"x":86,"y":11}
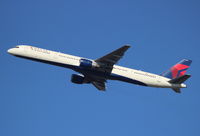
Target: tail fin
{"x":178,"y":70}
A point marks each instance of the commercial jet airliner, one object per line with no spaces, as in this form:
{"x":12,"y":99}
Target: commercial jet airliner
{"x":98,"y":71}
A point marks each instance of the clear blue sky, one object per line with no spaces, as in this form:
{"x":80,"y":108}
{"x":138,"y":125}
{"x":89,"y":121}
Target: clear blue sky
{"x":38,"y":99}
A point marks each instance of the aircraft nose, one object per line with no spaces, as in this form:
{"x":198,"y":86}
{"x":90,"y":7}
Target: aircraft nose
{"x":10,"y":51}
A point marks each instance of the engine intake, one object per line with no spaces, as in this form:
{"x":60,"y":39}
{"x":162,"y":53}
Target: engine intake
{"x":85,"y":63}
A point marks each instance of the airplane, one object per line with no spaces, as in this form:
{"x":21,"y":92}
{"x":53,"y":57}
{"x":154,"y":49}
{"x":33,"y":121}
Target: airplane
{"x":98,"y":71}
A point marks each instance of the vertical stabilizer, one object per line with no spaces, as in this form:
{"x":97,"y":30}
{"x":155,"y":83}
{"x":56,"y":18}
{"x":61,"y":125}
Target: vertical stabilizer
{"x":178,"y":69}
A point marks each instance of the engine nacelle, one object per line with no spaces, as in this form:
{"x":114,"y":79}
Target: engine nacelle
{"x":85,"y":63}
{"x":77,"y":79}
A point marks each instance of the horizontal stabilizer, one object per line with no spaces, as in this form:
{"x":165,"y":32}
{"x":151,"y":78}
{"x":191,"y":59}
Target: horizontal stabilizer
{"x":180,"y":79}
{"x":177,"y":90}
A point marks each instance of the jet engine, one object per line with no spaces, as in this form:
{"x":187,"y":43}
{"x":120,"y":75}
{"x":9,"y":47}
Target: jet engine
{"x":77,"y":79}
{"x":85,"y":63}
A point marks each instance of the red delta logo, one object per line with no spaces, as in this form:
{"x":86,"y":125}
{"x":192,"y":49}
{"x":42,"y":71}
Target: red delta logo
{"x":179,"y":70}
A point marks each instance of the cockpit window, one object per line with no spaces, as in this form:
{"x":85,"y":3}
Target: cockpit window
{"x":17,"y":47}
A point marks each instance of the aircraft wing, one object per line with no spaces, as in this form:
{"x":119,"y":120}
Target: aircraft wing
{"x":106,"y":65}
{"x":98,"y":82}
{"x":112,"y":58}
{"x":101,"y":86}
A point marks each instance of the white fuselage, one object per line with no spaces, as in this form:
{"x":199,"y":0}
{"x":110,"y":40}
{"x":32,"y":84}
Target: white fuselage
{"x":73,"y":62}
